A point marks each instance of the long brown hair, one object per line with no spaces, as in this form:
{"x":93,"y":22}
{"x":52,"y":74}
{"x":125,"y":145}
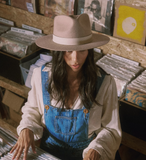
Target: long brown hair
{"x":58,"y":81}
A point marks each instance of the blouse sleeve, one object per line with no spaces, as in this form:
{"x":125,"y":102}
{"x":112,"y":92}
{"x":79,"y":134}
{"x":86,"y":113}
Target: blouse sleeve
{"x":32,"y":115}
{"x":109,"y":135}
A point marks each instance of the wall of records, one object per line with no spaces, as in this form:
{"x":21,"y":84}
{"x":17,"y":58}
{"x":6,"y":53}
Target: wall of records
{"x":124,"y":21}
{"x":104,"y":22}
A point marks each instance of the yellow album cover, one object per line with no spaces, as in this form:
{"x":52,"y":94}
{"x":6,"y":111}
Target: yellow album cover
{"x":130,"y":23}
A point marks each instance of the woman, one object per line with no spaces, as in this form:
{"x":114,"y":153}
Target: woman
{"x":73,"y":104}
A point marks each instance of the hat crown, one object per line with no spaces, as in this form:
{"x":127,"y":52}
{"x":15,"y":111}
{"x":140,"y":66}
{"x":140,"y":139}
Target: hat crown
{"x":73,"y":26}
{"x":72,"y":33}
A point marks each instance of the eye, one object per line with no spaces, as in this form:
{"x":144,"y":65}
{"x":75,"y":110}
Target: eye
{"x":82,"y":51}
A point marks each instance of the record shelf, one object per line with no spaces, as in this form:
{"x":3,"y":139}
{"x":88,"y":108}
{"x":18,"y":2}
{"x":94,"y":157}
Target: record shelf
{"x":116,"y":46}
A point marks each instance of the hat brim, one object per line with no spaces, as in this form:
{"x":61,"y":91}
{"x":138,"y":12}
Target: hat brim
{"x":46,"y":42}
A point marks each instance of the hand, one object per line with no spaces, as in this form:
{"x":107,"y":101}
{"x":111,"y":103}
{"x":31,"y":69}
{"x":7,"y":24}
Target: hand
{"x":92,"y":155}
{"x":25,"y":140}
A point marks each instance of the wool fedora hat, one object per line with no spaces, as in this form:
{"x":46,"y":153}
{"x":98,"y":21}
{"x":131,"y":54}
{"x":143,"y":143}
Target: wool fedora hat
{"x":72,"y":33}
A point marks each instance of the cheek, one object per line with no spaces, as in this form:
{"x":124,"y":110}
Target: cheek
{"x":66,"y":58}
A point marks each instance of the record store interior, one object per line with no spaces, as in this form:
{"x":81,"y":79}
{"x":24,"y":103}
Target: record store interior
{"x":22,"y":22}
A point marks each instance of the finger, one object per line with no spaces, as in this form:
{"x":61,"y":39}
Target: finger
{"x":19,"y":152}
{"x":16,"y":152}
{"x":14,"y":147}
{"x":25,"y":153}
{"x":33,"y":147}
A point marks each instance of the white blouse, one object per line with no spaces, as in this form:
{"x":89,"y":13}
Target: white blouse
{"x":103,"y":120}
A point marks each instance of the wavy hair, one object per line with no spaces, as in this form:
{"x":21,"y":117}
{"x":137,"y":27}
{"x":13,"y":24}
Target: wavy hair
{"x":58,"y":81}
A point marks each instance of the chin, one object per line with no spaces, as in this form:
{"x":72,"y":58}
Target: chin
{"x":76,"y":70}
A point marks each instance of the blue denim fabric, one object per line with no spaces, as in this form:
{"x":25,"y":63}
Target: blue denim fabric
{"x":66,"y":130}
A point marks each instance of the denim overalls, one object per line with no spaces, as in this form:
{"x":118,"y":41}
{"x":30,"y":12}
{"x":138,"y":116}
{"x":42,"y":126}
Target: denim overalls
{"x":66,"y":132}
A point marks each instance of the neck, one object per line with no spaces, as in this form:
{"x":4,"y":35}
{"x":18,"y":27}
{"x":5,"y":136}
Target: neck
{"x":73,"y":75}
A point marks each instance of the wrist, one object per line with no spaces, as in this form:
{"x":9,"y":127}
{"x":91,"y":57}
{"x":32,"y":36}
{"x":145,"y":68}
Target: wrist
{"x":26,"y":129}
{"x":95,"y":152}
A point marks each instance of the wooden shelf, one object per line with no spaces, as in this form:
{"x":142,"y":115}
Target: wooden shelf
{"x":28,"y":18}
{"x":14,"y":87}
{"x":8,"y":127}
{"x":133,"y":125}
{"x":134,"y":143}
{"x":132,"y":104}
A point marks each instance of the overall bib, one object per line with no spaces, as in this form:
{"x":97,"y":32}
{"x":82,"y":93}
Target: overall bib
{"x":66,"y":132}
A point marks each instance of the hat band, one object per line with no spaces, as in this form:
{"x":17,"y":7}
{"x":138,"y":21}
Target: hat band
{"x":72,"y":41}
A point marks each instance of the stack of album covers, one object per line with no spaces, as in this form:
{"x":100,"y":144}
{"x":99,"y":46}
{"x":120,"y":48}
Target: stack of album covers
{"x":19,"y":42}
{"x":100,"y":12}
{"x":4,"y":28}
{"x":58,"y":7}
{"x":123,"y":70}
{"x":136,"y":90}
{"x":139,"y":83}
{"x":8,"y":140}
{"x":43,"y":59}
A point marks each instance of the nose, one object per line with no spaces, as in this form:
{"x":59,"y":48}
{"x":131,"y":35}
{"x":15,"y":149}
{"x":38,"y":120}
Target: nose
{"x":75,"y":56}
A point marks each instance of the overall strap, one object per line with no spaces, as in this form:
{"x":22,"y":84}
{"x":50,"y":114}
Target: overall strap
{"x":45,"y":83}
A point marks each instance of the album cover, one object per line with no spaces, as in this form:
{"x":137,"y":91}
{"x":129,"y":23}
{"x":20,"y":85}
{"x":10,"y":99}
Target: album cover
{"x":130,"y":23}
{"x":7,"y":2}
{"x":58,"y":7}
{"x":99,"y":11}
{"x":28,"y":5}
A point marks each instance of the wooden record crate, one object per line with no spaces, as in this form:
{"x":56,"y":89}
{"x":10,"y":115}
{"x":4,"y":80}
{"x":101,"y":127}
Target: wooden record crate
{"x":133,"y":119}
{"x":10,"y":65}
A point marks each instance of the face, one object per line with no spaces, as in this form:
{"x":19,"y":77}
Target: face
{"x":75,"y":59}
{"x":94,"y":8}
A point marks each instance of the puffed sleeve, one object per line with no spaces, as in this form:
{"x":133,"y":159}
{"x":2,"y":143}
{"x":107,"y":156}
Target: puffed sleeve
{"x":32,"y":113}
{"x":109,"y":135}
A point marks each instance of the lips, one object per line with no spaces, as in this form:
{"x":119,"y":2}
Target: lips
{"x":76,"y":66}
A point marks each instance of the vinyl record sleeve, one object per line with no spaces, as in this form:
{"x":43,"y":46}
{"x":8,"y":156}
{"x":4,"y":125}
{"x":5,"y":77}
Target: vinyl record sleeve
{"x":28,"y":5}
{"x":7,"y":2}
{"x":53,"y":8}
{"x":130,"y":23}
{"x":100,"y":12}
